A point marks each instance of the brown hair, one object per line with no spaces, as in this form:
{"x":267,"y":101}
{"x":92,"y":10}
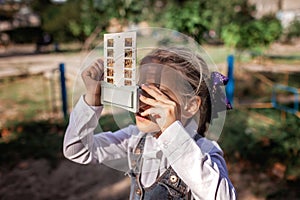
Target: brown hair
{"x":193,"y":69}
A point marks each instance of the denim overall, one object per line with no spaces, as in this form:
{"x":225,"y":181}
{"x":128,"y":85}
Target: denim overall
{"x":167,"y":187}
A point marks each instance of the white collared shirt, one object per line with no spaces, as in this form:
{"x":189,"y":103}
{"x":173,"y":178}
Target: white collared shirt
{"x":199,"y":164}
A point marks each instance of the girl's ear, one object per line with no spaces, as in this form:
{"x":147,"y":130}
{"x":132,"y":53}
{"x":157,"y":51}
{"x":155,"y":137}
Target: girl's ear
{"x":192,"y":106}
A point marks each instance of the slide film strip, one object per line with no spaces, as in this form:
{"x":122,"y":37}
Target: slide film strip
{"x":120,"y":58}
{"x":119,"y":86}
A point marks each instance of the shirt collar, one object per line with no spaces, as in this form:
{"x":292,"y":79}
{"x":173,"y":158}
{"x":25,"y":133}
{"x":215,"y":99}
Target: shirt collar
{"x":151,"y":148}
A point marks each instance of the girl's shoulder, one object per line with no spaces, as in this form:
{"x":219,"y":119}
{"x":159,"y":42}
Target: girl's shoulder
{"x":208,"y":146}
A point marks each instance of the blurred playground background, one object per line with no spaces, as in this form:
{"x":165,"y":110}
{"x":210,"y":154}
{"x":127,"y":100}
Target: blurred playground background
{"x":43,"y":42}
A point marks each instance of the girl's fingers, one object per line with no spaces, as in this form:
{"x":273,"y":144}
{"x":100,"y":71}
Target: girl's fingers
{"x":146,"y":112}
{"x":99,"y":67}
{"x":153,"y":112}
{"x":149,"y":101}
{"x":99,"y":63}
{"x":93,"y":73}
{"x":99,"y":74}
{"x":155,"y":92}
{"x":156,"y":104}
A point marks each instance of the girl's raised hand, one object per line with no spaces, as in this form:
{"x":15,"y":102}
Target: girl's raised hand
{"x":163,"y":110}
{"x":91,"y":78}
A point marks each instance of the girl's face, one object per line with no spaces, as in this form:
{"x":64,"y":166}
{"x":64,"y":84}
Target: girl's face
{"x":168,"y":81}
{"x":149,"y":124}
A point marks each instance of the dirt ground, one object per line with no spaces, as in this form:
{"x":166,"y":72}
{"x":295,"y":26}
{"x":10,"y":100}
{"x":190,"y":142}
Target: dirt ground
{"x":36,"y":180}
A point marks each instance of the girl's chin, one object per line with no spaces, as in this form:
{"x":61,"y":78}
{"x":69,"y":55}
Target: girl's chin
{"x":146,"y":125}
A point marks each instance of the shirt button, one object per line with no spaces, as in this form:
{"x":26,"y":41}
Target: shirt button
{"x":133,"y":163}
{"x":137,"y":151}
{"x":165,"y":144}
{"x":138,"y":191}
{"x":173,"y":178}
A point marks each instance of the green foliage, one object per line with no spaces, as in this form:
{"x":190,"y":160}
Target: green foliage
{"x":25,"y":34}
{"x":247,"y":135}
{"x":231,"y":35}
{"x":56,"y":20}
{"x":89,"y":18}
{"x":69,"y":21}
{"x":231,"y":20}
{"x":125,"y":11}
{"x":293,"y":31}
{"x":187,"y":19}
{"x":196,"y":18}
{"x":77,"y":19}
{"x":254,"y":34}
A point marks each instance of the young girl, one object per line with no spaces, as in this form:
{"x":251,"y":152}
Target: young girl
{"x":167,"y":154}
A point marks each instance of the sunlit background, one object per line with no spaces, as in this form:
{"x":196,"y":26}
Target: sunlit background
{"x":43,"y":43}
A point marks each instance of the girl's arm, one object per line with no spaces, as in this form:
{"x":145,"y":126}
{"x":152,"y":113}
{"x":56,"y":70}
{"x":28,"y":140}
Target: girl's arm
{"x":82,"y":146}
{"x":200,"y":165}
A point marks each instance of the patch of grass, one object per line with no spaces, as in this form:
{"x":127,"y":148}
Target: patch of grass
{"x":31,"y":140}
{"x":217,"y":53}
{"x":220,"y":53}
{"x":24,"y":101}
{"x":27,"y":97}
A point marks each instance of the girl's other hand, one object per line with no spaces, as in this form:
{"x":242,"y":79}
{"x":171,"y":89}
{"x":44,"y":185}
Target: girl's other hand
{"x":91,"y":78}
{"x":163,"y":110}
